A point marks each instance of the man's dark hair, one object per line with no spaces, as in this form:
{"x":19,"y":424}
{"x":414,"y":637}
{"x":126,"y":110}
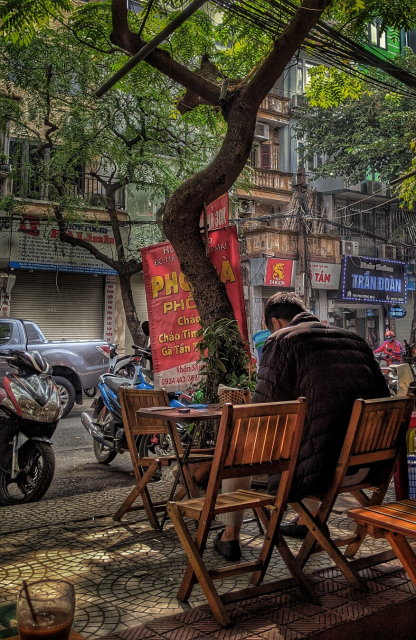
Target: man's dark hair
{"x":283,"y":305}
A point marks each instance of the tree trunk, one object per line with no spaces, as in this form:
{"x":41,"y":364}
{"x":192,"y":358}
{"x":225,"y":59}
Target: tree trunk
{"x":183,"y":211}
{"x":132,"y":320}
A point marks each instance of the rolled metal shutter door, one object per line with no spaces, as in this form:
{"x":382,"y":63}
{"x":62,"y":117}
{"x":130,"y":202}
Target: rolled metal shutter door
{"x":139,"y":297}
{"x":64,"y":305}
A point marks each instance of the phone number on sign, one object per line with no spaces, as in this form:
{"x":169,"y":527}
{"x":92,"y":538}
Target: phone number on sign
{"x":180,"y":379}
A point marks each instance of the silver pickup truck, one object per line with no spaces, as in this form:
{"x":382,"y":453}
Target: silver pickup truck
{"x":77,"y":365}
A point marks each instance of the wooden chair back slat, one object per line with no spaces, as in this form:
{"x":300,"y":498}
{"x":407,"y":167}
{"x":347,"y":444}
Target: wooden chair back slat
{"x":263,"y":438}
{"x":132,"y":399}
{"x":379,"y":427}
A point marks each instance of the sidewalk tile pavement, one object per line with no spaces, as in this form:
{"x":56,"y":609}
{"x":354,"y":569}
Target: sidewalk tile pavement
{"x":126,"y":575}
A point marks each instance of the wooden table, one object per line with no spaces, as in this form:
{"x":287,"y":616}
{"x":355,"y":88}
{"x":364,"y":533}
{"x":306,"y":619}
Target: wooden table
{"x":73,"y":636}
{"x":172,"y":415}
{"x":209,"y":412}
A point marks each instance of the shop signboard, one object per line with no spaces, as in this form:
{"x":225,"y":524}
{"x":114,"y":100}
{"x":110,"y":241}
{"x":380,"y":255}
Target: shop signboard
{"x":217,"y":214}
{"x":278,"y":273}
{"x":373,"y":280}
{"x":35,"y":245}
{"x":173,"y":316}
{"x":324,"y":275}
{"x":397,"y":311}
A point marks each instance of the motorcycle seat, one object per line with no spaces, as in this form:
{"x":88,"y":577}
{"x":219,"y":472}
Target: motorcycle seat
{"x":115,"y":382}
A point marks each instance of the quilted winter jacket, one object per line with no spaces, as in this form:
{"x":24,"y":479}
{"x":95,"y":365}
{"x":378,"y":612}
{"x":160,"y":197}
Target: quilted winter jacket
{"x":331,"y":368}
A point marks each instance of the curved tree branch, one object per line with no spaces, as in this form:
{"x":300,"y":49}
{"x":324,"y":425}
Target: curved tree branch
{"x":121,"y":36}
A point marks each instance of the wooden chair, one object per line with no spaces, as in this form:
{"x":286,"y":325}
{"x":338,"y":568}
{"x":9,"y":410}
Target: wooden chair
{"x":131,"y":400}
{"x":252,"y":439}
{"x":375,"y":436}
{"x":394,"y":522}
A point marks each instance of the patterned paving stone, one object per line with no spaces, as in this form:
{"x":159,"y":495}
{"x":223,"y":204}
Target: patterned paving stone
{"x":126,"y":575}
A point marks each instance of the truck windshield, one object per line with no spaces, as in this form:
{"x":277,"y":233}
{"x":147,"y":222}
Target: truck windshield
{"x":6,"y":330}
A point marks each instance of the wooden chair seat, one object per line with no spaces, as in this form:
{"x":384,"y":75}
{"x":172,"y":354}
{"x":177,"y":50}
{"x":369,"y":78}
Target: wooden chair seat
{"x":395,"y":522}
{"x":226,"y":502}
{"x":399,"y":517}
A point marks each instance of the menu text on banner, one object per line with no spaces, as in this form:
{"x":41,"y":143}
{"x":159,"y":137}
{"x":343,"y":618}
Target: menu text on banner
{"x":173,"y":317}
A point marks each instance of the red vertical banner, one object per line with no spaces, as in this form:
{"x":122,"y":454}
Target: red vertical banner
{"x":224,"y":253}
{"x":173,"y":317}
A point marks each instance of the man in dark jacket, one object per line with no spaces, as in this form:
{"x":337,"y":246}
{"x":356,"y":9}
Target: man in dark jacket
{"x":331,"y":368}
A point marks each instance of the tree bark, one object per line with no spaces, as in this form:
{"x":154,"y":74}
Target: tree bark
{"x":183,"y":209}
{"x":132,"y":320}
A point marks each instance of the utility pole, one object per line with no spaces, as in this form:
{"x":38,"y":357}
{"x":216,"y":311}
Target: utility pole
{"x":299,"y":187}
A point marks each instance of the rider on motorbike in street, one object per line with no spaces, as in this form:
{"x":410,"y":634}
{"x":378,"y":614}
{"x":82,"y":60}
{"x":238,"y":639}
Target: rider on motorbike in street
{"x":391,"y":347}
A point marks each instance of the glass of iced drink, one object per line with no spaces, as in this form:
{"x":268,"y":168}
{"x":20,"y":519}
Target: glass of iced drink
{"x":49,"y":613}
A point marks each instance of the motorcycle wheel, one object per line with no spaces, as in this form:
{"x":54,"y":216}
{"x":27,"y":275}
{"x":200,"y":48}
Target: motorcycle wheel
{"x":149,"y":449}
{"x":101,"y":453}
{"x":128,"y":371}
{"x":37,"y":461}
{"x":91,"y":393}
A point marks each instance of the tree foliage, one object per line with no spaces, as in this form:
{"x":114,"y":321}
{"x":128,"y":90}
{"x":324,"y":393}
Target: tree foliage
{"x":357,"y":130}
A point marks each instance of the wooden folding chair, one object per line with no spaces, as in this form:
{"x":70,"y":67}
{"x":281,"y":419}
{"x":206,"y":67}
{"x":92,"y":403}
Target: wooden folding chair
{"x":131,"y":400}
{"x":375,"y":436}
{"x":252,"y":439}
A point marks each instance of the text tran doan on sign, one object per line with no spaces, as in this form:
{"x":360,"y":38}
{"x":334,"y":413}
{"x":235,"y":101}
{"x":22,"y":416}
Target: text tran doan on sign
{"x":373,"y":280}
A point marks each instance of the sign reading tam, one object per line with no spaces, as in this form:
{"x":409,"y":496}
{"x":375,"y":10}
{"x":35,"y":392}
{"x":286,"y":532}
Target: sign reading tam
{"x":324,"y":275}
{"x":373,"y":280}
{"x":278,"y":273}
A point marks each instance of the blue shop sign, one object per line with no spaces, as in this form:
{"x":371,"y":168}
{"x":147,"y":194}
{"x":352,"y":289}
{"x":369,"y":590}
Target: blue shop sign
{"x":396,"y":311}
{"x":373,"y":280}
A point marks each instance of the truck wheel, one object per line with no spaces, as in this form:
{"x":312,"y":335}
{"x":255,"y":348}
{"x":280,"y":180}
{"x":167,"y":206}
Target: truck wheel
{"x":67,"y":393}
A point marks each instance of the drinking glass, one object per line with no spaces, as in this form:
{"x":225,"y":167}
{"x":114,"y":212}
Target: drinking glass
{"x":53,"y":602}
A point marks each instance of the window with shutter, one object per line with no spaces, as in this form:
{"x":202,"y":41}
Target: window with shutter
{"x":266,"y":156}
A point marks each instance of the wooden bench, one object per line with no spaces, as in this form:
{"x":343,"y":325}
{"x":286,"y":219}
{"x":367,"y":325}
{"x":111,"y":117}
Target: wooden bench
{"x":394,"y":522}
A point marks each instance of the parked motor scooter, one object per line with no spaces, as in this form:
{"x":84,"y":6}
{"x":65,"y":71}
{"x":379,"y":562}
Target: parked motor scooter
{"x":30,"y":408}
{"x":106,"y":424}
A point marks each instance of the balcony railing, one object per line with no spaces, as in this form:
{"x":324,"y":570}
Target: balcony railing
{"x":271,"y":180}
{"x":26,"y":182}
{"x":275,"y":104}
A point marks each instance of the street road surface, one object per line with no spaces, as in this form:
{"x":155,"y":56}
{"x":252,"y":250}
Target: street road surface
{"x":77,"y":470}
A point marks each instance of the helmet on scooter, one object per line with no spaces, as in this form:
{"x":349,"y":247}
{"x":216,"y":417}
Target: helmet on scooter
{"x":33,"y":361}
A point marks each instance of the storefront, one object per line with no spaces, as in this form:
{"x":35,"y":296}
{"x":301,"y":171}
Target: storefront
{"x":64,"y":305}
{"x":370,"y":288}
{"x":63,"y":289}
{"x":267,"y":277}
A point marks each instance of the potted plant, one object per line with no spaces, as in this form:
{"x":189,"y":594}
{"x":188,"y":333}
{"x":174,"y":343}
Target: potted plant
{"x":224,"y":361}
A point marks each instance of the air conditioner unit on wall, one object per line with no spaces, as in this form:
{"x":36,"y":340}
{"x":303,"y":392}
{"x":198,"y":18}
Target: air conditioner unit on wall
{"x":246,"y":208}
{"x":350,"y":248}
{"x":373,"y":188}
{"x":387,"y":251}
{"x":262,"y":131}
{"x":297,"y":100}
